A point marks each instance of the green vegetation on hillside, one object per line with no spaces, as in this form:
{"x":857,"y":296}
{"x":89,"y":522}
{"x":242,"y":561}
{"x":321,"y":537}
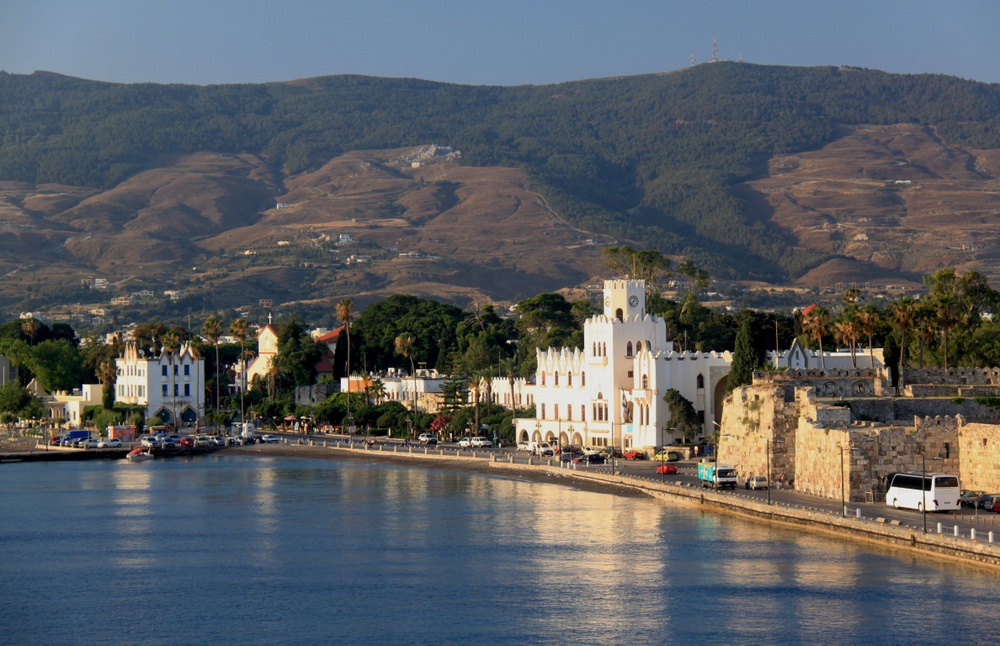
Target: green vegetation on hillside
{"x":651,"y":159}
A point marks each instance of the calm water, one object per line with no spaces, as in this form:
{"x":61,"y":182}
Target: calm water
{"x":242,"y":550}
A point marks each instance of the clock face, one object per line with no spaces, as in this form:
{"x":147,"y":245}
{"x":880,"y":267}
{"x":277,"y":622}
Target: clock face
{"x":607,"y":301}
{"x":633,"y":300}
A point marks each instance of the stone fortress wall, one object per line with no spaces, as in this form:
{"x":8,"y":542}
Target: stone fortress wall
{"x":836,"y":433}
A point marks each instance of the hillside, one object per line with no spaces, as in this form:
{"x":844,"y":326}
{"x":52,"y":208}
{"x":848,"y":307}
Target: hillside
{"x":790,"y":176}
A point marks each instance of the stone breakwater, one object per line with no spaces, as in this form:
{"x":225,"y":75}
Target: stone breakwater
{"x":873,"y":531}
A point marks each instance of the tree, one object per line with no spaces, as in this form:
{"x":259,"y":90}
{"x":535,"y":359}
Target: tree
{"x":815,"y":321}
{"x":847,"y":330}
{"x":869,"y":319}
{"x":404,"y":347}
{"x":107,"y":373}
{"x":745,"y":358}
{"x":212,"y":329}
{"x":683,"y":417}
{"x":904,"y":316}
{"x":639,"y":265}
{"x":345,"y":312}
{"x":238,"y":328}
{"x":31,"y":327}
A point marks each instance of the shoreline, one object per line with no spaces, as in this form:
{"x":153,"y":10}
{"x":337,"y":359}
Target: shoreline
{"x":893,"y":538}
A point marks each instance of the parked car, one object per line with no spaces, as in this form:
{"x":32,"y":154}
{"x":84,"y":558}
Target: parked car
{"x":78,"y":442}
{"x":465,"y":442}
{"x":168,"y":443}
{"x":427,"y":438}
{"x":996,"y":504}
{"x":593,"y":458}
{"x":609,"y":452}
{"x":150,"y":442}
{"x":756,"y":482}
{"x":55,"y":440}
{"x":481,"y":442}
{"x":665,"y":455}
{"x":635,"y":454}
{"x":110,"y":443}
{"x":88,"y":443}
{"x":204,"y":441}
{"x":986,"y":500}
{"x":666,"y":468}
{"x":970,"y":499}
{"x":187,"y":441}
{"x":543,"y":449}
{"x":569,"y":456}
{"x":589,"y":450}
{"x":523,"y":446}
{"x":269,"y":439}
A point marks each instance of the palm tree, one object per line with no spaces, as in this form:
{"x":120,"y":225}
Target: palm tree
{"x":904,"y":315}
{"x":508,"y":367}
{"x":107,"y":374}
{"x":171,"y":344}
{"x":213,"y":331}
{"x":345,"y":312}
{"x":869,"y":318}
{"x":377,"y":389}
{"x":948,"y":311}
{"x":815,"y":321}
{"x":404,"y":346}
{"x":847,"y":331}
{"x":238,"y":328}
{"x":31,"y":327}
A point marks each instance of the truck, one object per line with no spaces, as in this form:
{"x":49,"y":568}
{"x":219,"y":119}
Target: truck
{"x":716,"y":476}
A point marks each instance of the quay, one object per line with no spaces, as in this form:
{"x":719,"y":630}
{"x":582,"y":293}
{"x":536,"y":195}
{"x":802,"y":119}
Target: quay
{"x":41,"y":453}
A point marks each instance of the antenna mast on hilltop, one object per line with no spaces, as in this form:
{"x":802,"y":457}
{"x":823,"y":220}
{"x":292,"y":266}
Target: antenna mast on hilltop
{"x":715,"y":49}
{"x":692,"y":58}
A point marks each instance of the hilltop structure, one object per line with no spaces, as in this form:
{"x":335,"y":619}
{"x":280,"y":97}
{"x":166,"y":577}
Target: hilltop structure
{"x":611,"y":392}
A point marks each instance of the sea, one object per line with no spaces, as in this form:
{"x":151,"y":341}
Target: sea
{"x":237,"y":549}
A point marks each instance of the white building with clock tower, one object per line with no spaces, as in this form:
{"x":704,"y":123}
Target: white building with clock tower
{"x":611,"y":392}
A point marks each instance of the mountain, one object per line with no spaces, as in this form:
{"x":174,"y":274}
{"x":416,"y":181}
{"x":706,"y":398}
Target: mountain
{"x":308,"y":191}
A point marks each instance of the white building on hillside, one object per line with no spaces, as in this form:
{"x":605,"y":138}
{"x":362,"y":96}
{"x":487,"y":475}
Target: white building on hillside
{"x":611,"y":392}
{"x":171,"y":385}
{"x":802,"y":358}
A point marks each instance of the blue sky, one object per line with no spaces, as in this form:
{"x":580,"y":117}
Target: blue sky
{"x":483,"y":42}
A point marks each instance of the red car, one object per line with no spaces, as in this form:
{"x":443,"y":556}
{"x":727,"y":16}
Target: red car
{"x":187,"y":441}
{"x":635,"y":454}
{"x":666,"y":468}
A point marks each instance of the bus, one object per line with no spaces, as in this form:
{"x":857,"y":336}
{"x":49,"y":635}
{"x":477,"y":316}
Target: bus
{"x":915,"y":491}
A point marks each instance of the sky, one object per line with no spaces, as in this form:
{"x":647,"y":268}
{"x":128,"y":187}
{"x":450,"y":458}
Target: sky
{"x":486,"y":42}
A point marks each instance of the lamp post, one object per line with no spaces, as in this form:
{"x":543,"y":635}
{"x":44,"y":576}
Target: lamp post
{"x":768,"y":450}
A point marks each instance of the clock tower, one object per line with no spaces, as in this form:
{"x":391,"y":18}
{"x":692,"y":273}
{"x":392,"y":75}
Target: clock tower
{"x":624,"y":299}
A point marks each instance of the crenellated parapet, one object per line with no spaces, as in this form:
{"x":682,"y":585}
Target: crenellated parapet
{"x":957,"y":376}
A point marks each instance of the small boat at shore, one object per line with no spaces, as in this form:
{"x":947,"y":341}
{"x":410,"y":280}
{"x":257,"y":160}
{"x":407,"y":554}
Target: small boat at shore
{"x":139,"y":454}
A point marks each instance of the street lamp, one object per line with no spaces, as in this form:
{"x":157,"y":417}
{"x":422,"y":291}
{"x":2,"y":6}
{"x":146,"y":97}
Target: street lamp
{"x":923,"y":485}
{"x":768,"y":450}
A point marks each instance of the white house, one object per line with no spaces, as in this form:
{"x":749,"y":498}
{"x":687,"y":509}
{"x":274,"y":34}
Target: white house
{"x":170,"y":385}
{"x":611,"y":392}
{"x":802,"y":358}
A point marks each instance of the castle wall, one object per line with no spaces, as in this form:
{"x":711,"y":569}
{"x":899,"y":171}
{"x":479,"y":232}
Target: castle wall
{"x":962,"y":376}
{"x":904,"y":408}
{"x":979,"y":446}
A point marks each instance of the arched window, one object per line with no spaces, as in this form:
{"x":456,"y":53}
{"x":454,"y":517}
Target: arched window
{"x":555,"y":412}
{"x":583,"y":412}
{"x":595,"y":349}
{"x":604,"y":349}
{"x":569,"y":378}
{"x":649,"y":346}
{"x":701,"y":381}
{"x":555,"y":379}
{"x":619,"y":314}
{"x":628,"y":349}
{"x":543,"y":377}
{"x":543,"y":411}
{"x":638,"y":347}
{"x":583,"y":379}
{"x":645,"y":382}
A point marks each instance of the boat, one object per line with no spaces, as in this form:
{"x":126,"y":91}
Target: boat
{"x":140,"y":453}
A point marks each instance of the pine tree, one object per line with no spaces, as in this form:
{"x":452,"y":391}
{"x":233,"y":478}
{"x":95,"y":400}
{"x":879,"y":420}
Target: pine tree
{"x":745,"y":359}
